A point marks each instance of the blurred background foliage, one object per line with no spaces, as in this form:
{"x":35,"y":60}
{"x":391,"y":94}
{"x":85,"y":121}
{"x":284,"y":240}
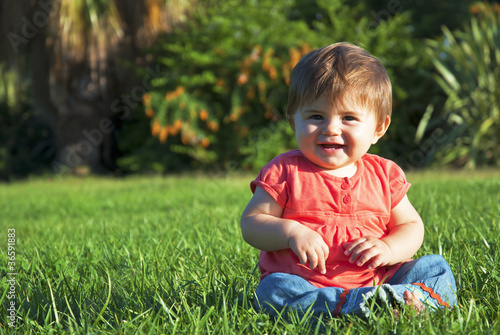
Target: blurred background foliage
{"x":170,"y":85}
{"x":468,"y":69}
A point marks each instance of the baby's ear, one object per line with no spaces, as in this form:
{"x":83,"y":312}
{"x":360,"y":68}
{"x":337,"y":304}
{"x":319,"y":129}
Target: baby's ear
{"x":382,"y":128}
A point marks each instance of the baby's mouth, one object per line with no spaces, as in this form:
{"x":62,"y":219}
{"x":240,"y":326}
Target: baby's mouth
{"x":331,"y":146}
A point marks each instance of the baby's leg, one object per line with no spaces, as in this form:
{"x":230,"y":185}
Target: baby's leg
{"x":278,"y":291}
{"x":426,"y":280}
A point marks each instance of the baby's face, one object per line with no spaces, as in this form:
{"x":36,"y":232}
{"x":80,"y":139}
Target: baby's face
{"x":335,"y":135}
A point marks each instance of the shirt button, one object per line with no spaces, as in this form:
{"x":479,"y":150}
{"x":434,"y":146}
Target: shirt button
{"x":344,"y":186}
{"x":347,"y":199}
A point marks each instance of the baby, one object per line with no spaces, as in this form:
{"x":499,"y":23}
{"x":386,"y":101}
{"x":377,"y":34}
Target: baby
{"x":333,"y":223}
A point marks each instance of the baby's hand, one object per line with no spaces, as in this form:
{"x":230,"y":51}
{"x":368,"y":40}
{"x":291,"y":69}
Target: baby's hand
{"x":368,"y":250}
{"x":308,"y":245}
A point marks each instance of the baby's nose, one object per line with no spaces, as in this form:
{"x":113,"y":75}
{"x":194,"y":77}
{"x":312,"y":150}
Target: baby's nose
{"x":332,"y":127}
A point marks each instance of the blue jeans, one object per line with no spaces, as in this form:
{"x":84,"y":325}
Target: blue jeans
{"x":430,"y":277}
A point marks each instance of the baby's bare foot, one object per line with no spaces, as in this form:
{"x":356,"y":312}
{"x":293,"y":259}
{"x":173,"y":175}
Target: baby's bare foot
{"x":411,"y":299}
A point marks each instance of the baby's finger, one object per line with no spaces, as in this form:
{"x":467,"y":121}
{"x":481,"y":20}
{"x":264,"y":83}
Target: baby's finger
{"x":302,"y":257}
{"x":313,"y":260}
{"x":376,"y":261}
{"x":322,"y":266}
{"x":351,"y":246}
{"x":326,"y":251}
{"x":359,"y":251}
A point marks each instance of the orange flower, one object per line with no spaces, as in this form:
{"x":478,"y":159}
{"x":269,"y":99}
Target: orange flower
{"x":213,"y":126}
{"x":265,"y":65}
{"x":273,"y":74}
{"x":163,"y":135}
{"x":203,"y":115}
{"x":146,"y":99}
{"x":286,"y":73}
{"x":155,"y":129}
{"x":305,"y":49}
{"x":294,"y":56}
{"x":179,"y":91}
{"x":242,"y":79}
{"x":254,"y":57}
{"x":172,"y":130}
{"x":169,"y":96}
{"x":251,"y":93}
{"x":474,"y":9}
{"x":178,"y":124}
{"x":233,"y":117}
{"x":150,"y":112}
{"x":205,"y":142}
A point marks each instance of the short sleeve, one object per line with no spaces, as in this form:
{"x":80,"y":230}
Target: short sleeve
{"x":273,"y":179}
{"x":398,"y":183}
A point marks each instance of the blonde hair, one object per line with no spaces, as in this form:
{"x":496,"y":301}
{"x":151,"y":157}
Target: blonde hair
{"x":341,"y":70}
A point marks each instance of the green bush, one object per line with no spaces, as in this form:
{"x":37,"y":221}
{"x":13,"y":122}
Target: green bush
{"x":468,"y":67}
{"x":228,"y":69}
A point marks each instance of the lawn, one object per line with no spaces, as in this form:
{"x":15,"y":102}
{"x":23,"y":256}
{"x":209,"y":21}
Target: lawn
{"x":165,"y":255}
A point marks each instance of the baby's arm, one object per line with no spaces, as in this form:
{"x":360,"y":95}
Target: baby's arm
{"x":406,"y":234}
{"x":263,"y":228}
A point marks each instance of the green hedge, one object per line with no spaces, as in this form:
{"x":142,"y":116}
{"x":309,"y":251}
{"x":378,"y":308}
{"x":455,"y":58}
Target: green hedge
{"x":227,"y":75}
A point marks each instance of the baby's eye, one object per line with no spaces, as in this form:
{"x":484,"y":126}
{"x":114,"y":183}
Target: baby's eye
{"x":316,"y":117}
{"x":349,"y":118}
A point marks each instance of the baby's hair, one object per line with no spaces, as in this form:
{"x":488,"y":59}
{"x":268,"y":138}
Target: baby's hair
{"x":341,"y":70}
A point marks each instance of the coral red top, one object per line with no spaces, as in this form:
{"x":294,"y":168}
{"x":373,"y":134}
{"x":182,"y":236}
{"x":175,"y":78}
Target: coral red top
{"x":339,"y":209}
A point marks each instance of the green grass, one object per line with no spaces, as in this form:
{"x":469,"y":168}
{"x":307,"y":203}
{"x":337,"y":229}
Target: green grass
{"x":165,"y":255}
